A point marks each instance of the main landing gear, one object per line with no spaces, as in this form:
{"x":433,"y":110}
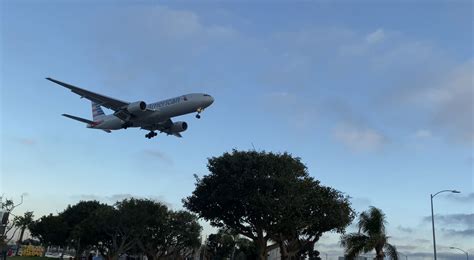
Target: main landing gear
{"x":199,"y":110}
{"x":151,"y":134}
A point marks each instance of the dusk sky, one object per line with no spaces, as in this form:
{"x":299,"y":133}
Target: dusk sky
{"x":376,"y":97}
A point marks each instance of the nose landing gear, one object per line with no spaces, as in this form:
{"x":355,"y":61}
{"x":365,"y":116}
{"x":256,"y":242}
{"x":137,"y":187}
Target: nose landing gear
{"x":151,"y":134}
{"x":199,"y":110}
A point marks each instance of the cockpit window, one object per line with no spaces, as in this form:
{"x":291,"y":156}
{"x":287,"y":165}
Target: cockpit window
{"x":185,"y":98}
{"x":206,"y":95}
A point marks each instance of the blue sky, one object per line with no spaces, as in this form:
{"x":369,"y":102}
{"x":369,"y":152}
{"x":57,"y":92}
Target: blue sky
{"x":375,"y":97}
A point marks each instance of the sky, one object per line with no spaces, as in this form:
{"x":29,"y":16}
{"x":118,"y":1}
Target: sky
{"x":375,"y":97}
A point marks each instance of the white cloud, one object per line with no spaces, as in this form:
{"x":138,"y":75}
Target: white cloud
{"x":423,"y":134}
{"x":451,"y":102}
{"x":159,"y":156}
{"x":375,"y":37}
{"x":300,"y":114}
{"x":359,"y":138}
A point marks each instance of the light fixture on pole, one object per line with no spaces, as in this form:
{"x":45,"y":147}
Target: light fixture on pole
{"x":465,"y":252}
{"x":432,"y":218}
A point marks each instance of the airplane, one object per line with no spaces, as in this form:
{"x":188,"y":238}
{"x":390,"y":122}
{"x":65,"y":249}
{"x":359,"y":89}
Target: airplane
{"x":152,"y":117}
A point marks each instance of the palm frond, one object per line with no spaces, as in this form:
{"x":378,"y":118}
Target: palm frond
{"x":354,"y":244}
{"x":391,"y":251}
{"x":372,"y":222}
{"x":363,"y":220}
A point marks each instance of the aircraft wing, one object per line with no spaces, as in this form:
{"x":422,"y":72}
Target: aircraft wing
{"x":108,"y":102}
{"x":163,"y":127}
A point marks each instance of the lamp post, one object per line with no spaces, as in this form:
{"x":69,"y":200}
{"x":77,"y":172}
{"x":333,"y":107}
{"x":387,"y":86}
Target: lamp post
{"x":432,"y":218}
{"x":406,"y":257}
{"x":465,"y":252}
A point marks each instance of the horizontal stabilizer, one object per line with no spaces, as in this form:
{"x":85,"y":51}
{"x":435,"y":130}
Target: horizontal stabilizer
{"x":79,"y":119}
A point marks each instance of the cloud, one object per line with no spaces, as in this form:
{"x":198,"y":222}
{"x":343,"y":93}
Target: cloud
{"x":376,"y":36}
{"x":359,"y":138}
{"x":429,"y":255}
{"x":423,"y":134}
{"x":156,"y":37}
{"x":361,"y":203}
{"x":407,"y":247}
{"x":461,"y":225}
{"x":405,"y":229}
{"x":459,"y":233}
{"x":469,"y":198}
{"x":159,"y":155}
{"x":26,"y":141}
{"x":448,"y":99}
{"x":453,"y":219}
{"x":299,"y":112}
{"x":422,"y":241}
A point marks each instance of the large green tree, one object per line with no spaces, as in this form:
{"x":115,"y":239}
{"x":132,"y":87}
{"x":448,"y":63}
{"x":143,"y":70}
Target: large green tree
{"x":120,"y":226}
{"x":22,"y":222}
{"x":258,"y":193}
{"x":371,"y":236}
{"x":220,"y":245}
{"x":243,"y":191}
{"x":306,"y":213}
{"x":50,"y":230}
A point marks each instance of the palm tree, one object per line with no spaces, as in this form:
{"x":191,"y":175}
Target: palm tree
{"x":22,"y":222}
{"x":371,"y":236}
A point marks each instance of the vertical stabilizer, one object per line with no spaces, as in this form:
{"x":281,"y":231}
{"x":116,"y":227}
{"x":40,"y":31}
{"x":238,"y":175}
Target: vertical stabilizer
{"x":97,"y":112}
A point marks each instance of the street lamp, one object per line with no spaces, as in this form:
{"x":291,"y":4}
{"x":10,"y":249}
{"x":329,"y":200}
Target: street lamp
{"x":432,"y":217}
{"x":406,"y":257}
{"x":467,"y":254}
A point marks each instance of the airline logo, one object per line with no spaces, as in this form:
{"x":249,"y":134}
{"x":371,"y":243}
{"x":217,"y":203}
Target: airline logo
{"x":167,"y":102}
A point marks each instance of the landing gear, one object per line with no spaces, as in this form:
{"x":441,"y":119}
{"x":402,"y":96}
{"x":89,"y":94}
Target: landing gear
{"x":199,"y":110}
{"x":151,"y":135}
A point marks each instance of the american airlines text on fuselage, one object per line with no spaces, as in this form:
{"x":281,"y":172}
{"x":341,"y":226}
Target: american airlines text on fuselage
{"x":167,"y":102}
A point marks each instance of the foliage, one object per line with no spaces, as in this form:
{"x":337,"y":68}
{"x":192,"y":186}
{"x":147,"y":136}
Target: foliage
{"x":310,"y":211}
{"x":50,"y":230}
{"x":266,"y":196}
{"x":220,"y":245}
{"x":131,"y":225}
{"x":7,"y":205}
{"x":244,"y":191}
{"x":73,"y":216}
{"x":371,"y":236}
{"x":22,"y":222}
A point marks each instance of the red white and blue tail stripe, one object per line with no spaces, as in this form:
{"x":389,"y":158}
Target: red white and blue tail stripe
{"x":97,"y":112}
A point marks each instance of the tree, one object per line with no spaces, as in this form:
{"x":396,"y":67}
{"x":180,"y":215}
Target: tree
{"x":309,"y":211}
{"x":244,"y":192}
{"x":170,"y":234}
{"x":50,"y":230}
{"x":247,"y":248}
{"x":73,"y":216}
{"x":186,"y":233}
{"x":156,"y":229}
{"x":6,"y":207}
{"x":371,"y":236}
{"x":220,"y":245}
{"x":22,"y":222}
{"x":269,"y":196}
{"x":117,"y":228}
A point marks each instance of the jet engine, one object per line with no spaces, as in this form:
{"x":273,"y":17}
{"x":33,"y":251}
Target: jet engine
{"x":178,"y":127}
{"x":136,"y":107}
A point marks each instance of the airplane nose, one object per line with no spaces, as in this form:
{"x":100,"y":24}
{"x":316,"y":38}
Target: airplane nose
{"x":211,"y":100}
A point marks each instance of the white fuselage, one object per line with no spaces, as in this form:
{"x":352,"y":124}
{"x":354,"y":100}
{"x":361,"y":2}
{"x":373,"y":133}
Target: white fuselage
{"x":162,"y":110}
